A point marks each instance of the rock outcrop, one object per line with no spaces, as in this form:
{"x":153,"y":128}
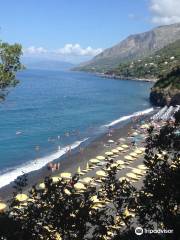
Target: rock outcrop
{"x":166,"y":90}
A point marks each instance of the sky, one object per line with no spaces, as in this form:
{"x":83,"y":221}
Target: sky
{"x":77,"y":30}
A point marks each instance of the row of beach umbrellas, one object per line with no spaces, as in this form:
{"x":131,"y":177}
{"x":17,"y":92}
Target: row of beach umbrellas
{"x":87,"y":180}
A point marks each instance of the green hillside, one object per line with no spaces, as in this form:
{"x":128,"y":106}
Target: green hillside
{"x":135,"y":46}
{"x":171,"y":80}
{"x":167,"y":89}
{"x":159,"y":63}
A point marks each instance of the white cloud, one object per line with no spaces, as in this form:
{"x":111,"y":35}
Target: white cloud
{"x":165,"y":11}
{"x":34,"y":50}
{"x":77,"y":50}
{"x":70,"y":52}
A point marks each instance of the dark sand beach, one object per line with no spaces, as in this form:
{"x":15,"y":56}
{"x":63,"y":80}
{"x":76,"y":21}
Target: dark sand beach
{"x":98,"y":146}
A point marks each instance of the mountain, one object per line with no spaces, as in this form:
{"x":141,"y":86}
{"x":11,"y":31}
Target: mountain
{"x":133,"y":47}
{"x":46,"y":64}
{"x":151,"y":67}
{"x":167,"y":89}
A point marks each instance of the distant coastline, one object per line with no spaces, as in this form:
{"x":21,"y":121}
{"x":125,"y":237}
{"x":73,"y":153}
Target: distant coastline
{"x":126,"y":78}
{"x":119,"y":77}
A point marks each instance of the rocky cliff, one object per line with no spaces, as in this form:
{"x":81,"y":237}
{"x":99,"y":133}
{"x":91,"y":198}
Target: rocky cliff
{"x":166,"y":90}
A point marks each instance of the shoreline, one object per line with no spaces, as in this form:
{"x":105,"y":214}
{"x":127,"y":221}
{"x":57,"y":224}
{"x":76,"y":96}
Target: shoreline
{"x":119,"y":77}
{"x":126,"y":78}
{"x":70,"y":163}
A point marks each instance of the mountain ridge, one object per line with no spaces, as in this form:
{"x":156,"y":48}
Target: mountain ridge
{"x":133,"y":47}
{"x":151,"y":67}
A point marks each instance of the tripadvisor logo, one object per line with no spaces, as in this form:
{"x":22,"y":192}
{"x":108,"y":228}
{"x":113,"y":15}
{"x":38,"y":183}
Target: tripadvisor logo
{"x":139,"y":231}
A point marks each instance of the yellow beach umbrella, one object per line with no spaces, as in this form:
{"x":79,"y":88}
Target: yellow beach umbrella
{"x":2,"y":207}
{"x":115,"y":151}
{"x":124,"y":146}
{"x":120,"y":162}
{"x":173,"y":166}
{"x":137,"y":171}
{"x":160,"y":155}
{"x":114,"y":165}
{"x":57,"y":236}
{"x":134,"y":134}
{"x":133,"y":154}
{"x":95,"y":199}
{"x":42,"y":185}
{"x":56,"y":179}
{"x":109,"y":153}
{"x":144,"y":126}
{"x":66,"y":175}
{"x":94,"y":161}
{"x":127,"y":213}
{"x":101,"y":173}
{"x":18,"y":207}
{"x":97,"y":206}
{"x":32,"y":200}
{"x":132,"y":175}
{"x":100,"y":157}
{"x":138,"y":151}
{"x":79,"y":170}
{"x":142,"y":167}
{"x":120,"y":148}
{"x":79,"y":186}
{"x":164,"y":153}
{"x":127,"y":157}
{"x":48,"y":228}
{"x":21,"y":197}
{"x":86,"y":180}
{"x":123,"y":178}
{"x":142,"y":149}
{"x":67,"y":191}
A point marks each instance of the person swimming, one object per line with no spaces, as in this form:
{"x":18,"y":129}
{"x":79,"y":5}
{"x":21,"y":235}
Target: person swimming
{"x":18,"y":132}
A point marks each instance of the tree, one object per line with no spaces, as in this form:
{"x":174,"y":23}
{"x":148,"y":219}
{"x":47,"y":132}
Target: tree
{"x":159,"y":199}
{"x":59,"y":210}
{"x":9,"y":65}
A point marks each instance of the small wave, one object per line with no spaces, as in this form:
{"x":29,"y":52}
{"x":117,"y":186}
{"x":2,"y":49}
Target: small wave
{"x":34,"y":165}
{"x":124,"y":118}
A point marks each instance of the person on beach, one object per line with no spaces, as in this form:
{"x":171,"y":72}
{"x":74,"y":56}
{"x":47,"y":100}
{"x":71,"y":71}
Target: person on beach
{"x":133,"y":142}
{"x":109,"y":132}
{"x":53,"y":166}
{"x":56,"y":166}
{"x":49,"y":166}
{"x":68,"y":151}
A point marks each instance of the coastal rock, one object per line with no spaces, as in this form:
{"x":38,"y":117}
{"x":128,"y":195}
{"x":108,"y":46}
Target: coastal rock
{"x":157,"y":98}
{"x":166,"y":90}
{"x":161,"y":98}
{"x":175,"y":99}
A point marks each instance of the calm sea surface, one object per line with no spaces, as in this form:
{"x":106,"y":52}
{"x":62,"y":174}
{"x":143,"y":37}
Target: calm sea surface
{"x":49,"y":110}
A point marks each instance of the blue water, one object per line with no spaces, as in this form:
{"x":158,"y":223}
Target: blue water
{"x":71,"y":105}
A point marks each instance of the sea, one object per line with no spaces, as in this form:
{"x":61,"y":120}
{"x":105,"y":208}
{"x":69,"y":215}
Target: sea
{"x":49,"y":112}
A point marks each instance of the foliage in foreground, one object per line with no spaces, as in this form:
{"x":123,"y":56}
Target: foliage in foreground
{"x":61,"y":211}
{"x":9,"y":65}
